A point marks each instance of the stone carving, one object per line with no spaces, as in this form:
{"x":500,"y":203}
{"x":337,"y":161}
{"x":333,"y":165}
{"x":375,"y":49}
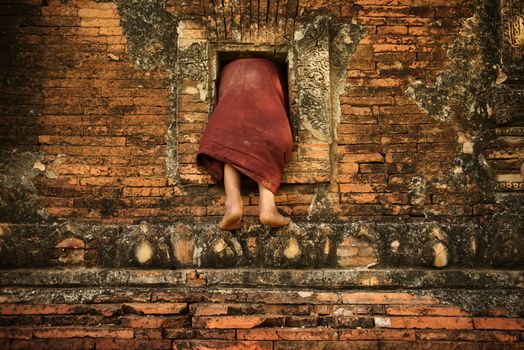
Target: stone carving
{"x":192,"y":63}
{"x":183,"y":242}
{"x":509,"y":186}
{"x":357,"y":246}
{"x":286,"y":247}
{"x":512,"y":19}
{"x":508,"y":105}
{"x":504,"y":244}
{"x":510,"y":131}
{"x":313,"y":77}
{"x":217,"y":248}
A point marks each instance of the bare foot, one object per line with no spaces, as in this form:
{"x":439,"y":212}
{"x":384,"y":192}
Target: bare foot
{"x":268,"y":212}
{"x":233,"y":204}
{"x":274,"y":219}
{"x":231,"y":219}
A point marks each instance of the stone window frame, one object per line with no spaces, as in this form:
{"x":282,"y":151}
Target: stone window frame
{"x":315,"y":57}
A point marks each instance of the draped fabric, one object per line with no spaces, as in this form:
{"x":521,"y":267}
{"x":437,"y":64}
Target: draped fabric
{"x":249,"y":127}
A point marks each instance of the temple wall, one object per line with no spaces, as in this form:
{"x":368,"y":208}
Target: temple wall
{"x":405,"y":185}
{"x":407,"y":121}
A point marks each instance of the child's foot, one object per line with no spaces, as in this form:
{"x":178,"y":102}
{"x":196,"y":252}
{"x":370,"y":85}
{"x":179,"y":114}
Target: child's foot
{"x":274,"y":219}
{"x":231,"y":219}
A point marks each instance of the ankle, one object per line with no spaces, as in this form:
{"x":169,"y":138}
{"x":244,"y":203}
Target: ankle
{"x":267,"y":208}
{"x":233,"y":203}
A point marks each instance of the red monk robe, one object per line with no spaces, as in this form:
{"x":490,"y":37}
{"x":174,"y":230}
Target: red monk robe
{"x":249,"y":127}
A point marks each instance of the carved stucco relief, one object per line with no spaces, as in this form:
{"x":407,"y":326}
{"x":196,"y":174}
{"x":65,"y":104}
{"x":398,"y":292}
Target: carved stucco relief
{"x":193,"y":65}
{"x":503,"y":155}
{"x":314,"y":104}
{"x":508,"y":105}
{"x":512,"y":18}
{"x":313,"y":77}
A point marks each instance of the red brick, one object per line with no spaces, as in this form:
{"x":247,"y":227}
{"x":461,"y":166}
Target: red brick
{"x":321,"y":345}
{"x":35,"y":309}
{"x":348,"y":168}
{"x":97,"y":22}
{"x":79,"y":332}
{"x":154,"y":321}
{"x":422,"y":310}
{"x":376,"y":334}
{"x":87,"y":150}
{"x":392,"y":30}
{"x":367,"y":100}
{"x":446,"y":345}
{"x":385,"y":82}
{"x":361,"y":157}
{"x":393,"y":48}
{"x":97,"y":13}
{"x":384,"y":298}
{"x":144,"y":181}
{"x":222,"y":344}
{"x":117,"y":344}
{"x":498,"y":323}
{"x":356,"y":188}
{"x":16,"y":332}
{"x":209,"y":309}
{"x":466,"y":335}
{"x":55,"y":344}
{"x":65,"y":11}
{"x":81,"y":140}
{"x":151,"y":334}
{"x":240,"y":322}
{"x":195,"y":279}
{"x":288,"y":334}
{"x":158,"y":308}
{"x":433,"y":322}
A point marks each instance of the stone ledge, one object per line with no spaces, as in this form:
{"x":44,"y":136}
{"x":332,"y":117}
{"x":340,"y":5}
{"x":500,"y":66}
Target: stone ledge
{"x":497,"y":243}
{"x":323,"y":279}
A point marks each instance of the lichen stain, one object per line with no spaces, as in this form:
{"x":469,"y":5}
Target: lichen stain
{"x":456,"y":91}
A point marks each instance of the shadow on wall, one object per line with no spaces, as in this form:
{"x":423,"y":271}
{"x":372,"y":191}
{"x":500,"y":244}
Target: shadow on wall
{"x":23,"y":60}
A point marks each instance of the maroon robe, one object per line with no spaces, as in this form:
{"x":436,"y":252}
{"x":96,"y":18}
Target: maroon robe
{"x":249,"y":127}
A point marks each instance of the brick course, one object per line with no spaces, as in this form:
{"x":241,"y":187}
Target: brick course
{"x":281,"y":320}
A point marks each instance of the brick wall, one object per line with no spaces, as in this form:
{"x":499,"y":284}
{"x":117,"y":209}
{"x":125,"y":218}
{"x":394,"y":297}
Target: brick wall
{"x":102,"y":123}
{"x":189,"y":314}
{"x":416,"y":160}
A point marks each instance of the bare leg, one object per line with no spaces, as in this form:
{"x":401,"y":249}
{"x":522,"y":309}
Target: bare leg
{"x":268,"y":212}
{"x":233,"y":204}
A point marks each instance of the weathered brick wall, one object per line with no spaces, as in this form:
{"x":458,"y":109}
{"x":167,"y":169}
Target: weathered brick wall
{"x":413,"y":118}
{"x":182,"y":311}
{"x":102,"y":123}
{"x":99,"y":122}
{"x":408,"y":153}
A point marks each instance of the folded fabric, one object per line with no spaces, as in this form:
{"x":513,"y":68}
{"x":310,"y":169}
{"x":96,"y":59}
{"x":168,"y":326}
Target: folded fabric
{"x":249,"y":127}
